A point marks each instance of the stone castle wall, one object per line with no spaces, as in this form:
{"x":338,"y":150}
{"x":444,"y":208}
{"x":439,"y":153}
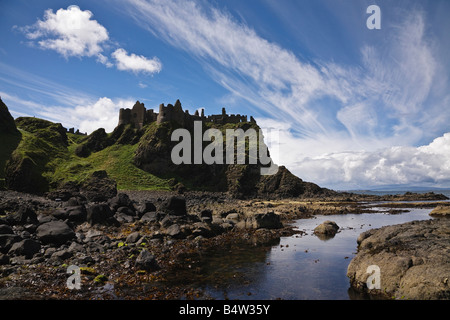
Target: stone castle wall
{"x":140,"y":116}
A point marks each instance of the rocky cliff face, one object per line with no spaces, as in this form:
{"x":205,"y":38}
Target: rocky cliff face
{"x":7,"y":124}
{"x":47,"y":154}
{"x":239,"y":180}
{"x":42,"y":142}
{"x":9,"y":139}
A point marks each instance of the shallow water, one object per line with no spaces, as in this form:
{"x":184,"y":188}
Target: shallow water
{"x":299,"y":267}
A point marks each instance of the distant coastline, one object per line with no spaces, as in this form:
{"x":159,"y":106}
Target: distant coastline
{"x":394,"y":191}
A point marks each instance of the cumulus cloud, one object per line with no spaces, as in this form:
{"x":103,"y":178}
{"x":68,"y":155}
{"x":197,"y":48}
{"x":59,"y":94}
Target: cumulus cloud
{"x":68,"y":106}
{"x":87,"y":117}
{"x":427,"y":165}
{"x":353,"y":168}
{"x":70,"y":32}
{"x":73,"y":33}
{"x":135,"y":63}
{"x":102,"y":113}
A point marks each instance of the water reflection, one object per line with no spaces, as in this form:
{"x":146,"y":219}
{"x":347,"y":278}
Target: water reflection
{"x":299,"y":267}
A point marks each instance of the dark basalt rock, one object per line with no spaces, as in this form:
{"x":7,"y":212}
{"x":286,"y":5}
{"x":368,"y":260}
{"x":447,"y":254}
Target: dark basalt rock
{"x":99,"y":213}
{"x":99,"y":187}
{"x":54,"y":232}
{"x":26,"y":247}
{"x":7,"y":124}
{"x":175,"y":205}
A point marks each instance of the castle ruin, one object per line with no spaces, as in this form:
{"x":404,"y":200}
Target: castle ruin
{"x":140,"y":116}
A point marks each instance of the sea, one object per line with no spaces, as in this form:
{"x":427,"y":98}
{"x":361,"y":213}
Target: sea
{"x":303,"y":267}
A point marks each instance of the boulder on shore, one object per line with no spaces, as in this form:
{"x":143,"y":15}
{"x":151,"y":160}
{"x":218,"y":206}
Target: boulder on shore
{"x":175,"y":205}
{"x":54,"y":232}
{"x":269,"y":220}
{"x":327,"y":228}
{"x":413,"y":260}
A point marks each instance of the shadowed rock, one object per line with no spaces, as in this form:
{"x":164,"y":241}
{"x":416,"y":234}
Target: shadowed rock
{"x":54,"y":232}
{"x":146,"y":261}
{"x":174,"y":206}
{"x":26,"y":247}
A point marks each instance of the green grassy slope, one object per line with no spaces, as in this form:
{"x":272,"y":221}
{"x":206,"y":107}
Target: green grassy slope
{"x":42,"y":157}
{"x":116,"y":160}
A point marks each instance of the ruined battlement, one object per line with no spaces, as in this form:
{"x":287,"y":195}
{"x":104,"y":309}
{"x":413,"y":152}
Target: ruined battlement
{"x":140,"y":116}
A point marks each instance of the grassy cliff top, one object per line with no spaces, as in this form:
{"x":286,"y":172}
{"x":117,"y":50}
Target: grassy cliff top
{"x":59,"y":157}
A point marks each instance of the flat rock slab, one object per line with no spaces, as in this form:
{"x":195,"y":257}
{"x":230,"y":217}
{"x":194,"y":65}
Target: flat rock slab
{"x":443,"y":211}
{"x":413,"y":260}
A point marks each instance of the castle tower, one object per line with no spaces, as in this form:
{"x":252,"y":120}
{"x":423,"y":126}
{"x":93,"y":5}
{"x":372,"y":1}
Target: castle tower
{"x":124,"y":116}
{"x":138,"y":115}
{"x":162,"y":114}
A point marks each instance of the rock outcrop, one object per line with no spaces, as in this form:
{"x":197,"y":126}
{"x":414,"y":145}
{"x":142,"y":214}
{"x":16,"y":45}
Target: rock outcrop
{"x":44,"y":142}
{"x":326,"y":229}
{"x":9,"y":139}
{"x":48,"y":157}
{"x":441,"y":211}
{"x":413,"y":259}
{"x":7,"y":124}
{"x":239,"y":180}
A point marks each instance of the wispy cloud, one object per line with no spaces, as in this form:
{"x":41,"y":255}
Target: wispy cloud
{"x":215,"y":37}
{"x":41,"y":88}
{"x":65,"y":105}
{"x":328,"y":111}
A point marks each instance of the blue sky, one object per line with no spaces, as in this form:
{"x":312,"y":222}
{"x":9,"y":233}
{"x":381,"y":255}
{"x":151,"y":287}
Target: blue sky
{"x":352,"y":107}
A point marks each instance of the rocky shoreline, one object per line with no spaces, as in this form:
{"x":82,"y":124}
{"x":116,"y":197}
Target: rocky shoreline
{"x":135,"y":244}
{"x":127,"y":247}
{"x":413,"y":260}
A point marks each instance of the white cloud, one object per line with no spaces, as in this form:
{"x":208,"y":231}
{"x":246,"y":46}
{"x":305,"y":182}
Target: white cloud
{"x":214,"y":36}
{"x":135,"y":63}
{"x":390,"y":90}
{"x":70,"y":32}
{"x":73,"y":33}
{"x":38,"y":89}
{"x":55,"y":102}
{"x":104,"y":60}
{"x":425,"y":165}
{"x":103,"y":113}
{"x":87,"y":117}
